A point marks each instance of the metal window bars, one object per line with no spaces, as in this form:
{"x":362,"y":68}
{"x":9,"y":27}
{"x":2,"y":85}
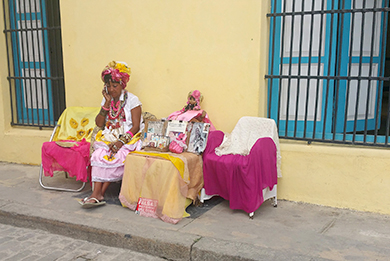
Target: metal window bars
{"x":34,"y":54}
{"x":328,"y":79}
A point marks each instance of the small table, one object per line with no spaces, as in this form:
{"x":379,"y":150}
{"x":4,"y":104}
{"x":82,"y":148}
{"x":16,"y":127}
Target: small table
{"x":153,"y":179}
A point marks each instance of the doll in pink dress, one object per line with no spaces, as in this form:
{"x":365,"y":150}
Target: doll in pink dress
{"x":192,"y":111}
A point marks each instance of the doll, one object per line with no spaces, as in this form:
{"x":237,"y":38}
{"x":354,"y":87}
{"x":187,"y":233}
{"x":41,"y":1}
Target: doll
{"x":191,"y":111}
{"x":178,"y":145}
{"x":194,"y":98}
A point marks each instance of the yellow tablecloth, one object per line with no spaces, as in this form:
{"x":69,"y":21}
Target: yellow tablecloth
{"x":156,"y":176}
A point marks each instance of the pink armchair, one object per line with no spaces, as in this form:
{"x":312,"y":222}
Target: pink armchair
{"x":245,"y":180}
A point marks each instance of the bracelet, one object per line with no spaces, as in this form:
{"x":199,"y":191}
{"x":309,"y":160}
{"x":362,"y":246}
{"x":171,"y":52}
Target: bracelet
{"x":126,"y":138}
{"x":103,"y":112}
{"x":131,"y":134}
{"x":123,"y":139}
{"x":104,"y":108}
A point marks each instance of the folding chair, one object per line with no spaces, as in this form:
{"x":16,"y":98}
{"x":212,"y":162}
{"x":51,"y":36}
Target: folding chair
{"x":69,"y":147}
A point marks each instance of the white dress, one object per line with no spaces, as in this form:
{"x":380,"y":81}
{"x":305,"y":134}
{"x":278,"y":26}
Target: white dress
{"x":107,"y":167}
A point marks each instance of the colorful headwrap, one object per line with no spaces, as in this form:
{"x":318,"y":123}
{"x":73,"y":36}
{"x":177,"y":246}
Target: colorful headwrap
{"x":119,"y":71}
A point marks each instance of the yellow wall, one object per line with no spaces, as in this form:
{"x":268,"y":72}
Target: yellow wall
{"x":219,"y":47}
{"x":335,"y":175}
{"x":172,"y":47}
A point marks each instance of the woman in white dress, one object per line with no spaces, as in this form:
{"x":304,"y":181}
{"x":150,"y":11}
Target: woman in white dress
{"x":121,"y":120}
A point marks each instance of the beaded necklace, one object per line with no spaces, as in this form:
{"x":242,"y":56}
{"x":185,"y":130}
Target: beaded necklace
{"x":116,"y":110}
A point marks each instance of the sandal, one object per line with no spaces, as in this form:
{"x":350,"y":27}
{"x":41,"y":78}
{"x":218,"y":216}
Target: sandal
{"x":85,"y":204}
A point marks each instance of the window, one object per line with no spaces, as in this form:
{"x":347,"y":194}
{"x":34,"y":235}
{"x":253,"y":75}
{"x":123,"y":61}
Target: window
{"x":35,"y":69}
{"x":327,"y":77}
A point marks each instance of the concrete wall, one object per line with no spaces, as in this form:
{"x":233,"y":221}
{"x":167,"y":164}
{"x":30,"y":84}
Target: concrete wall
{"x":219,"y":47}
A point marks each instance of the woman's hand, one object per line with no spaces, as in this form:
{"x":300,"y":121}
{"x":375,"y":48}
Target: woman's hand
{"x":100,"y":118}
{"x":115,"y":146}
{"x":106,"y":96}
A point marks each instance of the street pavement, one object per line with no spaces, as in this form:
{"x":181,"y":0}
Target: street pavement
{"x":19,"y":244}
{"x":292,"y":231}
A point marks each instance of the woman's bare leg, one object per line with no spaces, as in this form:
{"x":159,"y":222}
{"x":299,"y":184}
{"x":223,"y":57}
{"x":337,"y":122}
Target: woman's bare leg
{"x":104,"y":187}
{"x":99,"y":190}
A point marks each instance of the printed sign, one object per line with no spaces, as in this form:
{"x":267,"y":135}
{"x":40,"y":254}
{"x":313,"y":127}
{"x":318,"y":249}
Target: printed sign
{"x":146,"y":205}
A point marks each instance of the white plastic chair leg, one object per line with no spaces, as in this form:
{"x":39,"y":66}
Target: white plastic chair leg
{"x":204,"y":196}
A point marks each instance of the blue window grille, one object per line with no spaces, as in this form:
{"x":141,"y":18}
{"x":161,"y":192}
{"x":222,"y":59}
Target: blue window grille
{"x":34,"y":53}
{"x":327,"y":77}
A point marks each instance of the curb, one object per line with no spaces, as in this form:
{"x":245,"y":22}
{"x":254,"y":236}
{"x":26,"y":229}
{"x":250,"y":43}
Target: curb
{"x":201,"y":248}
{"x":99,"y":236}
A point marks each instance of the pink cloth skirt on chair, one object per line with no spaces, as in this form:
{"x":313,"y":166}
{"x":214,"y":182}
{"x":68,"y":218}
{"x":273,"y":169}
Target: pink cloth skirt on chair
{"x":73,"y":160}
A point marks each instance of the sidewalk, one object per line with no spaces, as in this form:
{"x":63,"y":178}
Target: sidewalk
{"x":292,"y":231}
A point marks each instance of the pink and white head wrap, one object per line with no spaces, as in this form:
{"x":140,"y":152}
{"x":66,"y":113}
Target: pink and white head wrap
{"x":119,"y":71}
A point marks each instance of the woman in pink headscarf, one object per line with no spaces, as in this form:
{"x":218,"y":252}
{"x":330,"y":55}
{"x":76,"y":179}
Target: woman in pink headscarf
{"x":120,"y":119}
{"x":192,"y":111}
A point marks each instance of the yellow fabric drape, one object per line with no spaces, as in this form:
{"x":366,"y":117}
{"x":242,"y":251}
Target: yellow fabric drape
{"x":173,"y":180}
{"x":178,"y":163}
{"x":76,"y":123}
{"x":154,"y":178}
